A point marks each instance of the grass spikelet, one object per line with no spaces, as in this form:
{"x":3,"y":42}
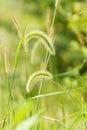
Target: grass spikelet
{"x":47,"y":41}
{"x":35,"y":76}
{"x":18,"y":27}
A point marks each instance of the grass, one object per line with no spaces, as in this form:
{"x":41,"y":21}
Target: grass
{"x":57,"y":103}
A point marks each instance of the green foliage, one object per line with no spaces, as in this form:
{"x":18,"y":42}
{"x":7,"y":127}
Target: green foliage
{"x":20,"y":113}
{"x":62,"y":59}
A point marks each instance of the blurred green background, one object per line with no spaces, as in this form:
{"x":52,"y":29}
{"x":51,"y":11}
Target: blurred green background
{"x":68,"y":66}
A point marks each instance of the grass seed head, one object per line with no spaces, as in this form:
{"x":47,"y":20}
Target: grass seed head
{"x":35,"y":76}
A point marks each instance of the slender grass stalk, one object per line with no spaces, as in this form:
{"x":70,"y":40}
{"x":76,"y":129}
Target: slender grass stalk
{"x":56,"y":120}
{"x":5,"y":59}
{"x":47,"y":57}
{"x":42,"y":81}
{"x":56,"y":3}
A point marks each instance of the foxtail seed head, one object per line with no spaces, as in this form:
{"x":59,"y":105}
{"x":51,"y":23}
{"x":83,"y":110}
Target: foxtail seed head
{"x":47,"y":42}
{"x":35,"y":76}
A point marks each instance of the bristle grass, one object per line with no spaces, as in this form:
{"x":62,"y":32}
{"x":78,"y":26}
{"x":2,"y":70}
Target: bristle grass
{"x":37,"y":75}
{"x":47,"y":40}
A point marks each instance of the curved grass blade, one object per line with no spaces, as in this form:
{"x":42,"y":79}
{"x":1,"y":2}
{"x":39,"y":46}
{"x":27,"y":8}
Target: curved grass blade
{"x":47,"y":95}
{"x":56,"y":120}
{"x":35,"y":76}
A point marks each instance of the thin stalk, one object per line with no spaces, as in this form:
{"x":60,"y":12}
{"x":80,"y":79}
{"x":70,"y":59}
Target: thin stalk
{"x":7,"y":84}
{"x":47,"y":57}
{"x":42,"y":81}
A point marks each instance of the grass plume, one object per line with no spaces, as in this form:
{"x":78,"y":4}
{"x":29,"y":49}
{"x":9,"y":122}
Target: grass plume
{"x":35,"y":76}
{"x":47,"y":40}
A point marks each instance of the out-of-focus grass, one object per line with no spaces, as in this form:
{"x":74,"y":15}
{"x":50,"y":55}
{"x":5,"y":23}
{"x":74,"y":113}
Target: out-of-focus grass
{"x":64,"y":99}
